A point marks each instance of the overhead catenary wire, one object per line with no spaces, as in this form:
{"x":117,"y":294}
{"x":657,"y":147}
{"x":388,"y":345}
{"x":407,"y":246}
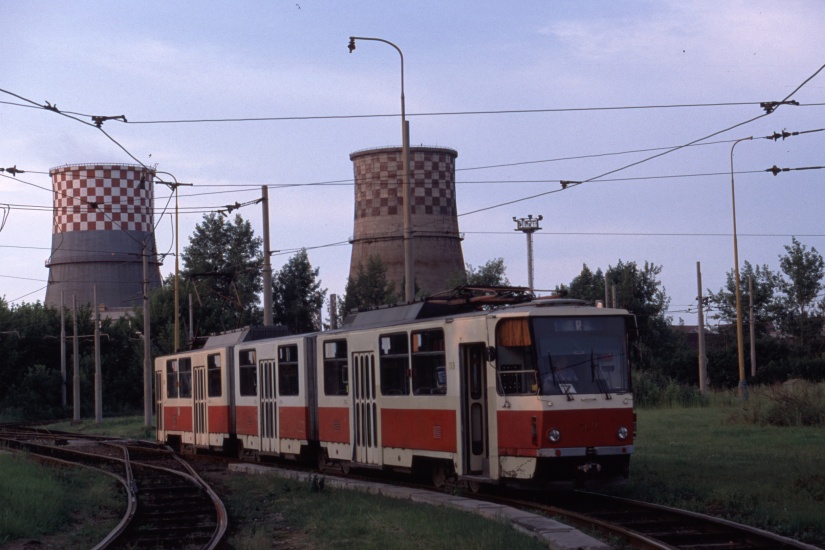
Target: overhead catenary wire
{"x":772,"y":106}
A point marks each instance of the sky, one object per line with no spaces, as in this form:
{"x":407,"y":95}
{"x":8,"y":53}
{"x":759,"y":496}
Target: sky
{"x":529,"y":94}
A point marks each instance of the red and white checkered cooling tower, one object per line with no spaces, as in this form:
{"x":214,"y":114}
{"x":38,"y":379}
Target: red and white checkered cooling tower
{"x":102,"y":217}
{"x":379,"y":215}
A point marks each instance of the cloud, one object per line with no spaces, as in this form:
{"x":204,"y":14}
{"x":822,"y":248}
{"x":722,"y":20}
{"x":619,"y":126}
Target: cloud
{"x":726,"y":45}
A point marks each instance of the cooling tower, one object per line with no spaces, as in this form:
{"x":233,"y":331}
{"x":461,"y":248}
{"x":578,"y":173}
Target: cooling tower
{"x":379,"y":214}
{"x":102,"y":218}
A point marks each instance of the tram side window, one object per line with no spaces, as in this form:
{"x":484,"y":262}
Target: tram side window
{"x":429,"y":372}
{"x":336,"y":371}
{"x":171,"y":378}
{"x":213,"y":374}
{"x":185,"y":376}
{"x":288,"y":370}
{"x":516,"y":368}
{"x":247,"y":373}
{"x":394,"y":364}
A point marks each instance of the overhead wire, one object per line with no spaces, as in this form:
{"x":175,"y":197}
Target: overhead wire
{"x":768,"y":106}
{"x":438,"y":113}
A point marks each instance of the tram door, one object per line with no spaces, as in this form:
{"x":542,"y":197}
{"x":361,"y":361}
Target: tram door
{"x":199,"y":396}
{"x":474,"y":409}
{"x":364,"y":409}
{"x":159,"y":400}
{"x":269,"y":408}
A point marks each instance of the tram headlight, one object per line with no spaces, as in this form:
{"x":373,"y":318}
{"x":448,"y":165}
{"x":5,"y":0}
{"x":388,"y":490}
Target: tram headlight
{"x":554,"y":435}
{"x":622,"y":433}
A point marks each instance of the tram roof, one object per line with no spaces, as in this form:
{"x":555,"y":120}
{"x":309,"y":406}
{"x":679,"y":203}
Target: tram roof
{"x":246,"y":334}
{"x":463,"y":301}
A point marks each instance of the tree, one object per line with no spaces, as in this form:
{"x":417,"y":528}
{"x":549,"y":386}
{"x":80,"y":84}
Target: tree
{"x":584,"y":286}
{"x":369,"y":288}
{"x":223,"y":261}
{"x":297,"y":295}
{"x":804,"y":270}
{"x":765,"y":284}
{"x":493,"y":273}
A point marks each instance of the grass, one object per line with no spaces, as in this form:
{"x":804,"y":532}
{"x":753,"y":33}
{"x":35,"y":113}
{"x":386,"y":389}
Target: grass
{"x":266,"y":511}
{"x":38,"y":500}
{"x":127,"y":426}
{"x":719,"y":459}
{"x":757,"y":463}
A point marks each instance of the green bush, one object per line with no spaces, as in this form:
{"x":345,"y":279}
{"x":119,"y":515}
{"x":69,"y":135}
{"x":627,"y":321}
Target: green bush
{"x":653,"y":389}
{"x":38,"y":395}
{"x":797,"y":403}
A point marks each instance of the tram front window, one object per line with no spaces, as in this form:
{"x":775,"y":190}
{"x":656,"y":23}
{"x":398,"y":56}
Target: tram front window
{"x":581,"y":355}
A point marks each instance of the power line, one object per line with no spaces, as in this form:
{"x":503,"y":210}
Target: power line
{"x":639,"y":234}
{"x":769,"y":107}
{"x":445,"y":113}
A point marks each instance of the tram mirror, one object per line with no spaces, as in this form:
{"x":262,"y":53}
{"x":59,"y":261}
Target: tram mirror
{"x":491,"y":354}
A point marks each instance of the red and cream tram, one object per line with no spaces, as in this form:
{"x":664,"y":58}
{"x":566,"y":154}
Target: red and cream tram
{"x":488,"y":386}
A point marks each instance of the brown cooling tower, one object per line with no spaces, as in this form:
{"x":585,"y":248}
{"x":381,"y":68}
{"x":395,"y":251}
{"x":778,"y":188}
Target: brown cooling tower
{"x":379,"y":215}
{"x":102,"y":226}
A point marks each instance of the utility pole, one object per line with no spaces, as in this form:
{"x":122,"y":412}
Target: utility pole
{"x":752,"y":326}
{"x":98,"y":375}
{"x":191,"y":321}
{"x":63,"y":349}
{"x":606,"y":291}
{"x":703,"y":360}
{"x":267,"y":271}
{"x":333,"y":311}
{"x":528,"y":226}
{"x":147,"y":357}
{"x":76,"y":363}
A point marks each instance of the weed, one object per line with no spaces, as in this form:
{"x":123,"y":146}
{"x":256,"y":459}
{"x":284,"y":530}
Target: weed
{"x":317,"y":484}
{"x":652,"y":389}
{"x":791,"y":404}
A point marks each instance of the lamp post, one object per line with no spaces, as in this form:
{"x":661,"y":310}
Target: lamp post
{"x":529,"y":225}
{"x":409,"y":265}
{"x":743,"y":385}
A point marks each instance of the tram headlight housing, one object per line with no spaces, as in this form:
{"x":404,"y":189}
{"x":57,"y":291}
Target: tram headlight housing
{"x":622,"y":433}
{"x":554,"y":435}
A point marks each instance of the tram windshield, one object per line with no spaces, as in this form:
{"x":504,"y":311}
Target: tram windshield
{"x":562,"y":356}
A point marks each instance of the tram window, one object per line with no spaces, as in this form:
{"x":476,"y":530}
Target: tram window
{"x":213,"y":374}
{"x":394,"y":364}
{"x":185,"y":376}
{"x":288,"y":370}
{"x":514,"y":356}
{"x":582,"y":355}
{"x":171,"y":379}
{"x":336,"y":370}
{"x":247,"y":373}
{"x":429,"y":375}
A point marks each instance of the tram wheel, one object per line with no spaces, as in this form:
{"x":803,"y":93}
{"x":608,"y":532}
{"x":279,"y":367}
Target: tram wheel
{"x":439,"y":475}
{"x":473,"y":486}
{"x":346,"y":466}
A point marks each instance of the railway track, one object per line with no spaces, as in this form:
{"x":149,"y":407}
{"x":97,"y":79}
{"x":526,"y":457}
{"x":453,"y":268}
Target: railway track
{"x":637,"y":524}
{"x":168,"y":504}
{"x":171,"y":512}
{"x":651,"y":526}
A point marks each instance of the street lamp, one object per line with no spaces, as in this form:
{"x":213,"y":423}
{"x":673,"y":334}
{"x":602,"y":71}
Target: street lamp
{"x":743,"y":385}
{"x":529,"y":225}
{"x":409,"y":265}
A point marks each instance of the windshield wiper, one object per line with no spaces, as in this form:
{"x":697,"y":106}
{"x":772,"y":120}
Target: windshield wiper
{"x":566,"y":388}
{"x":596,"y":375}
